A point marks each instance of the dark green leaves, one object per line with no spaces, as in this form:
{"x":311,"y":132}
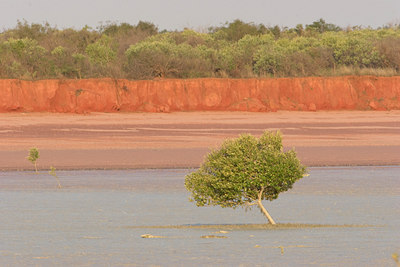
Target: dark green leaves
{"x":235,"y":174}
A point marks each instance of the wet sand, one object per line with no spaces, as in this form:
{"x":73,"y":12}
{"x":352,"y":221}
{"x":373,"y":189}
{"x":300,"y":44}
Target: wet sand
{"x":181,"y":140}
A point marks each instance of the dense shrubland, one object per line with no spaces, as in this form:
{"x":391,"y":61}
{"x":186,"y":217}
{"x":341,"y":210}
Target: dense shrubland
{"x":236,"y":50}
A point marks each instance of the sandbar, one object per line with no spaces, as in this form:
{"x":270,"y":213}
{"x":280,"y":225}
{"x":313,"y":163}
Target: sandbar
{"x":182,"y":139}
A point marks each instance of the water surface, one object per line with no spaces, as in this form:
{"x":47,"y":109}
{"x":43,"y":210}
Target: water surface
{"x":92,"y":220}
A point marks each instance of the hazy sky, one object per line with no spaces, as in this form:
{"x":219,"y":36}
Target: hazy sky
{"x":199,"y":14}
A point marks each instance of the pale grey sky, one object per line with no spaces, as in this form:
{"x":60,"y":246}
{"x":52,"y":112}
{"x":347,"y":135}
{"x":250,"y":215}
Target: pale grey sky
{"x":199,"y":14}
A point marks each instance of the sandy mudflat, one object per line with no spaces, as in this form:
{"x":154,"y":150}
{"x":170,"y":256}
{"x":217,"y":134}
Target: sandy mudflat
{"x":159,"y":140}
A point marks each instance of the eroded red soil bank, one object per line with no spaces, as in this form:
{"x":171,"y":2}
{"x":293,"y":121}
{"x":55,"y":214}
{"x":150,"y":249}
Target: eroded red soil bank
{"x":109,"y":95}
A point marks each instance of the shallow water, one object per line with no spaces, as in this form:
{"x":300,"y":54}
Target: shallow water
{"x":92,"y":220}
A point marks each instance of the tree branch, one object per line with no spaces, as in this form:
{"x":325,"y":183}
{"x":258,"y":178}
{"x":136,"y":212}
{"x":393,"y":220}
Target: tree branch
{"x":250,"y":203}
{"x":260,"y":193}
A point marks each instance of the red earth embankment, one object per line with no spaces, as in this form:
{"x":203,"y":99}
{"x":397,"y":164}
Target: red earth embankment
{"x":110,"y":95}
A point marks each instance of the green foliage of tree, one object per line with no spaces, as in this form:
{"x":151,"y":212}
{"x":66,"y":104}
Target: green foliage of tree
{"x":299,"y":29}
{"x":33,"y":31}
{"x":101,"y":52}
{"x":81,"y":64}
{"x":124,"y":34}
{"x":113,"y":29}
{"x":151,"y":59}
{"x":354,"y":49}
{"x":76,"y":41}
{"x":236,"y":59}
{"x":147,"y":27}
{"x":189,"y":37}
{"x":268,"y":60}
{"x":321,"y":26}
{"x":63,"y":64}
{"x":299,"y":56}
{"x":236,"y":49}
{"x":33,"y":157}
{"x":245,"y":171}
{"x":23,"y":58}
{"x":292,"y":57}
{"x":276,"y":31}
{"x":236,"y":30}
{"x":166,"y":59}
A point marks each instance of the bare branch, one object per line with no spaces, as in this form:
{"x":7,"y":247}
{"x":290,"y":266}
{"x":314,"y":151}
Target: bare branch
{"x":260,"y":193}
{"x":250,"y":203}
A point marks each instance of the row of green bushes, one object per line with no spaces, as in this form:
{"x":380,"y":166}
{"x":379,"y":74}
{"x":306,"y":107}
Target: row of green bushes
{"x":236,"y":49}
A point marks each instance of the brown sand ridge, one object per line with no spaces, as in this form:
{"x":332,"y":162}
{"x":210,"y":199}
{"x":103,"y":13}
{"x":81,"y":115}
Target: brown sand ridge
{"x":111,"y":95}
{"x":344,"y":131}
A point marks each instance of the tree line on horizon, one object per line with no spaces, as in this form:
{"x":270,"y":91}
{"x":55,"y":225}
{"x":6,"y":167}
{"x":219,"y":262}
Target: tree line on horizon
{"x":234,"y":50}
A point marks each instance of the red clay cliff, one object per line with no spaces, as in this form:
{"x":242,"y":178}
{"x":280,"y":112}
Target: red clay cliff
{"x":260,"y":95}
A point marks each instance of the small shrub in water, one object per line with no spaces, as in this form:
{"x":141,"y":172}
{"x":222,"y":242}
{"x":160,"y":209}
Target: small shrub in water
{"x":53,"y":173}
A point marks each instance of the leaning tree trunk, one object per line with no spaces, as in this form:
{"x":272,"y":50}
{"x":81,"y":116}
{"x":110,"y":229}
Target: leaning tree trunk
{"x":263,"y":210}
